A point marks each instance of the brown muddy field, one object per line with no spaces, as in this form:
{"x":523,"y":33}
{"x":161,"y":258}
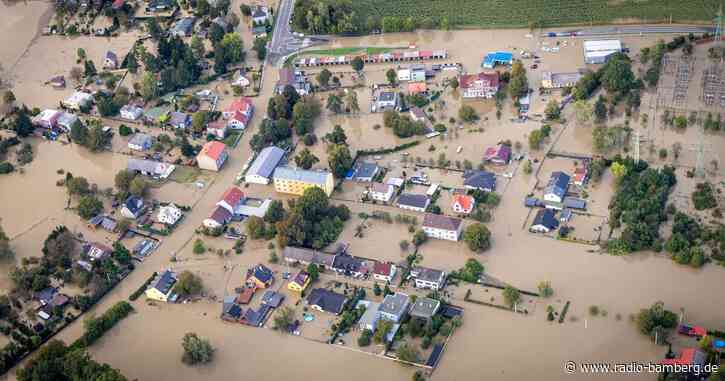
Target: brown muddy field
{"x":492,"y":344}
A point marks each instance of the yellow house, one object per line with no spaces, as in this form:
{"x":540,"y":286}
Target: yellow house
{"x":295,"y":181}
{"x":260,"y":276}
{"x":161,"y":288}
{"x":300,"y":282}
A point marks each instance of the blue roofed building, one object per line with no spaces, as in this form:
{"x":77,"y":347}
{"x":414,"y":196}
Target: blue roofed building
{"x":544,"y":222}
{"x":482,"y":180}
{"x":132,"y":207}
{"x":322,"y":299}
{"x":497,"y":58}
{"x":261,"y":276}
{"x":556,"y":187}
{"x":414,"y":202}
{"x":161,"y":288}
{"x":261,"y":170}
{"x":575,"y":203}
{"x":363,"y":171}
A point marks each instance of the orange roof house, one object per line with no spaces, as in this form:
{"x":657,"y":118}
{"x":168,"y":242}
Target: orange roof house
{"x":212,"y":156}
{"x":417,"y":87}
{"x":463,"y":203}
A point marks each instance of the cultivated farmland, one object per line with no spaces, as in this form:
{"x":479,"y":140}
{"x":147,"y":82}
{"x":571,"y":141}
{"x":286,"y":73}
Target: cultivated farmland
{"x":520,"y":13}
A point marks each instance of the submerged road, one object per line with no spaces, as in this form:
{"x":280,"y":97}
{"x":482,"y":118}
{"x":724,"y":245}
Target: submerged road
{"x":642,"y":29}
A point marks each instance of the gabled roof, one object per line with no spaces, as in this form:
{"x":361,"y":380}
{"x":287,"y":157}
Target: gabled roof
{"x":689,"y":356}
{"x":486,"y":79}
{"x":301,"y":254}
{"x":272,"y":299}
{"x":414,"y":200}
{"x":213,"y":149}
{"x":141,"y":139}
{"x":558,"y":184}
{"x":133,"y":204}
{"x":262,"y":273}
{"x":395,"y":304}
{"x":111,"y":56}
{"x":164,"y":281}
{"x":349,"y":263}
{"x":266,"y":162}
{"x":328,"y":301}
{"x":232,"y":196}
{"x":479,"y":179}
{"x":424,"y":307}
{"x":465,"y":201}
{"x":417,"y":87}
{"x":381,"y":188}
{"x":427,"y":274}
{"x":545,"y":217}
{"x":384,"y":269}
{"x":501,"y":152}
{"x":221,"y":215}
{"x":364,"y":169}
{"x":438,"y":221}
{"x":301,"y":277}
{"x":296,"y":174}
{"x":178,"y":118}
{"x":243,"y":105}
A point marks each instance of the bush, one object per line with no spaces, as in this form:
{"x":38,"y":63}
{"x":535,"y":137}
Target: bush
{"x":545,"y":290}
{"x":196,"y":349}
{"x":125,"y":130}
{"x":6,"y":168}
{"x":199,"y":246}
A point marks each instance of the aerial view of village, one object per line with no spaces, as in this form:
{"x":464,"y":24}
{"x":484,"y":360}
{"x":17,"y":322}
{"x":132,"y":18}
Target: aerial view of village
{"x":362,"y":190}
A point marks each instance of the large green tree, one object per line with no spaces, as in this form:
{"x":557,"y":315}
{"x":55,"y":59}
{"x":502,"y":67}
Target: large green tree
{"x":477,"y":237}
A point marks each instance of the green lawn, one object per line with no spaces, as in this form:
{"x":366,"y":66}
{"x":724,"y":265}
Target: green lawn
{"x":519,"y":13}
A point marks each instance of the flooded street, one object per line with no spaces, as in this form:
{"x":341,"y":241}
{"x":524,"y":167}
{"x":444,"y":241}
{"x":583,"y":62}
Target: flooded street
{"x":491,"y":344}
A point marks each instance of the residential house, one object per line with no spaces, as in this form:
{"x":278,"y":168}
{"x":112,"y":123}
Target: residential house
{"x":132,"y":207}
{"x":300,"y":255}
{"x":414,"y":202}
{"x":272,"y":299}
{"x":384,"y":272}
{"x":395,"y":181}
{"x":386,"y":100}
{"x":463,"y":204}
{"x":424,"y":308}
{"x":218,"y":218}
{"x":394,"y":307}
{"x":241,"y":80}
{"x":97,"y":251}
{"x":179,"y":120}
{"x":260,"y":15}
{"x":442,"y":227}
{"x":107,"y":223}
{"x":381,"y":192}
{"x":481,"y":85}
{"x":574,"y":203}
{"x":322,"y":299}
{"x":169,"y":214}
{"x":140,"y":142}
{"x":499,"y":155}
{"x":364,"y":171}
{"x":231,"y":199}
{"x":581,"y":174}
{"x":217,"y":128}
{"x":262,"y":169}
{"x":417,"y":114}
{"x":231,"y":311}
{"x":110,"y":61}
{"x":690,"y":359}
{"x":370,"y":317}
{"x":47,"y":119}
{"x":66,"y":120}
{"x":544,"y":222}
{"x":157,"y":114}
{"x":294,"y":78}
{"x":183,"y":27}
{"x":252,"y":207}
{"x":162,"y":287}
{"x":155,"y":169}
{"x":551,"y":80}
{"x":239,"y":113}
{"x":348,"y":265}
{"x":131,"y":112}
{"x":246,"y":295}
{"x":212,"y":156}
{"x":77,"y":101}
{"x":256,"y":318}
{"x":260,"y":276}
{"x":565,"y":215}
{"x":57,"y":82}
{"x":481,"y":180}
{"x":428,"y":278}
{"x":45,"y":296}
{"x":296,"y":181}
{"x":557,"y":187}
{"x":417,"y":88}
{"x":259,"y":31}
{"x":299,"y":282}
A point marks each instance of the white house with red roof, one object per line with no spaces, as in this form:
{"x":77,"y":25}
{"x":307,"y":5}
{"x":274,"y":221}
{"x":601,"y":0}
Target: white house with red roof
{"x":239,"y":113}
{"x":580,"y":174}
{"x":481,"y":85}
{"x":231,"y":199}
{"x":212,"y":156}
{"x":463,"y":203}
{"x":384,"y":272}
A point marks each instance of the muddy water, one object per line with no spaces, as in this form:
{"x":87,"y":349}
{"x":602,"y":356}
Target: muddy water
{"x":21,"y":22}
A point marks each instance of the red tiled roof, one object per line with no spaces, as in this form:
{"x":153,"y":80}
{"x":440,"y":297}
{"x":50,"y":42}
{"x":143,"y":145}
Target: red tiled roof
{"x":246,"y":295}
{"x":241,"y":105}
{"x":213,"y":149}
{"x":687,"y":357}
{"x":216,"y":125}
{"x":417,"y":87}
{"x":232,"y":196}
{"x":489,"y":79}
{"x":239,"y":116}
{"x":117,"y":4}
{"x":382,"y":268}
{"x":465,"y":201}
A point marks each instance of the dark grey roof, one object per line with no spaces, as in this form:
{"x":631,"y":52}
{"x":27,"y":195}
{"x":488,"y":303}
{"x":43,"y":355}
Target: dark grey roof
{"x":574,"y":203}
{"x":164,"y":282}
{"x":266,"y":162}
{"x":301,"y":254}
{"x":142,"y":165}
{"x":439,"y":221}
{"x":272,"y":299}
{"x":558,"y":184}
{"x":479,"y":179}
{"x":178,"y":118}
{"x":140,"y":139}
{"x":386,"y":96}
{"x":424,"y":307}
{"x":545,"y":217}
{"x":347,"y":263}
{"x":414,"y":200}
{"x":328,"y":301}
{"x":395,"y":304}
{"x":134,"y":204}
{"x":427,"y":274}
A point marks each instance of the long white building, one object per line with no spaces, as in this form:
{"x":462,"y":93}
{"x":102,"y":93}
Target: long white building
{"x":599,"y":51}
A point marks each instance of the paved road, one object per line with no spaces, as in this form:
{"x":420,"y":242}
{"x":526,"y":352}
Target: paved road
{"x":642,"y":29}
{"x":283,"y":41}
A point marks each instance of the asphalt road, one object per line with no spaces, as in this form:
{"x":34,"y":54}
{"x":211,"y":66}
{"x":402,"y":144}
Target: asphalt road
{"x":283,"y":41}
{"x":643,"y":29}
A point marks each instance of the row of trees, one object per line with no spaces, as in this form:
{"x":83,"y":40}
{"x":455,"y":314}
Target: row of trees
{"x":402,"y":125}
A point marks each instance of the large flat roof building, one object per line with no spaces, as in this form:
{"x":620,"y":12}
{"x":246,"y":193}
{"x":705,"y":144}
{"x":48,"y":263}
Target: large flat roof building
{"x":295,"y":181}
{"x":599,"y":51}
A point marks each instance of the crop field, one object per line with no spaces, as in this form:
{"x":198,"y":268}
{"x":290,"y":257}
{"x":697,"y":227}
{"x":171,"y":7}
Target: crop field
{"x":546,"y":13}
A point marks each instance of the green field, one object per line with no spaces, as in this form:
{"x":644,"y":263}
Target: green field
{"x":519,"y":13}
